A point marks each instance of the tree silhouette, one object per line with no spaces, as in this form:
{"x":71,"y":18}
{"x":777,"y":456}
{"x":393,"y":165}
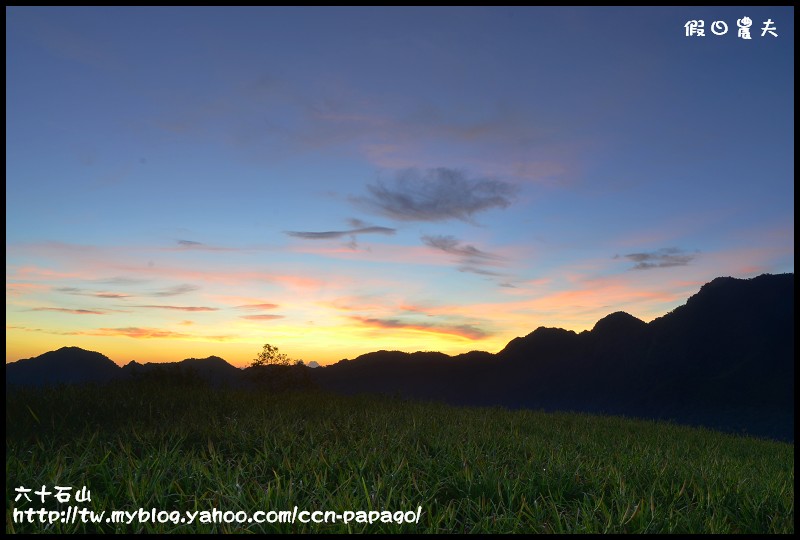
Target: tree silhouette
{"x":269,"y":356}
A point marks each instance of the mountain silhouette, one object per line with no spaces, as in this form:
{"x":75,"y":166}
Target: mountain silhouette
{"x":724,"y":360}
{"x":213,"y":370}
{"x":67,"y":365}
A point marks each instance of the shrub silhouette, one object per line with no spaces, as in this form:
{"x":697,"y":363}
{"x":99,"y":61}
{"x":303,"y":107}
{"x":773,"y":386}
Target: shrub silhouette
{"x":274,"y":371}
{"x":269,"y":356}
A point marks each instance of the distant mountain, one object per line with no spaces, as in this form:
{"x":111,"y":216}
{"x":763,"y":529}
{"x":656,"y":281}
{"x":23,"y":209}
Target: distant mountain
{"x":72,"y":365}
{"x":67,"y":365}
{"x":724,"y":360}
{"x":213,"y":370}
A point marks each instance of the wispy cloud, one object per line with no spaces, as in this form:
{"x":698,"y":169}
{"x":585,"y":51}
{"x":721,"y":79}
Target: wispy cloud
{"x":356,"y":223}
{"x":72,"y":311}
{"x":663,"y":258}
{"x":257,"y":306}
{"x":385,"y":301}
{"x":462,"y":330}
{"x":467,"y":254}
{"x":122,"y":280}
{"x":261,"y":317}
{"x":479,"y":271}
{"x":135,"y":332}
{"x":179,"y":308}
{"x":83,"y":292}
{"x":325,"y":235}
{"x":186,"y":245}
{"x":147,"y":333}
{"x":70,"y":290}
{"x":436,"y":195}
{"x":189,"y":243}
{"x":175,"y":290}
{"x":469,"y":258}
{"x":21,"y":289}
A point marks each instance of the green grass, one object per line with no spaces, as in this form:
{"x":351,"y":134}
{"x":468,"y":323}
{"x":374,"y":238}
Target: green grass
{"x":471,"y":470}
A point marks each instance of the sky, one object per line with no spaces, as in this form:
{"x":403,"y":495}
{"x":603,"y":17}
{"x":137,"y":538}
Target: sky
{"x":187,"y":182}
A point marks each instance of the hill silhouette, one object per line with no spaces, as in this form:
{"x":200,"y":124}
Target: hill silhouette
{"x":213,"y":370}
{"x":67,"y":365}
{"x":724,"y":360}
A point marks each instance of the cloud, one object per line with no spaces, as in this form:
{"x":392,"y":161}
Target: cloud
{"x":359,"y":227}
{"x":175,"y":290}
{"x":179,"y":308}
{"x":257,"y":306}
{"x":462,"y":330}
{"x":469,"y":258}
{"x":73,"y":311}
{"x":83,"y":292}
{"x":467,"y":254}
{"x":356,"y":223}
{"x":185,"y":245}
{"x":144,"y":333}
{"x":261,"y":317}
{"x":663,"y":258}
{"x":339,"y":234}
{"x":21,"y":289}
{"x":189,"y":243}
{"x":135,"y":332}
{"x":70,"y":290}
{"x":42,"y":330}
{"x":436,"y":195}
{"x":479,"y":271}
{"x":121,"y":280}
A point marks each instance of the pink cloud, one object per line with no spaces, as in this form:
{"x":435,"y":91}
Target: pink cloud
{"x":146,"y":333}
{"x":257,"y":306}
{"x":466,"y":331}
{"x":22,"y":289}
{"x":72,"y":311}
{"x":134,"y":332}
{"x":179,"y":308}
{"x":261,"y":317}
{"x":34,"y":273}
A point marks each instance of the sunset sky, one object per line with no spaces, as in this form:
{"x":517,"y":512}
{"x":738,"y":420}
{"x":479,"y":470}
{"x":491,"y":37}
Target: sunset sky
{"x":186,"y":182}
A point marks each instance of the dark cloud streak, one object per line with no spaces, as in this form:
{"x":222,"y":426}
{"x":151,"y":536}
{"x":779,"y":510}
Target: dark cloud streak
{"x":663,"y":258}
{"x":325,"y":235}
{"x":176,"y":290}
{"x":83,"y":292}
{"x":436,"y":195}
{"x":462,"y":330}
{"x":467,"y":253}
{"x":72,"y":311}
{"x":479,"y":271}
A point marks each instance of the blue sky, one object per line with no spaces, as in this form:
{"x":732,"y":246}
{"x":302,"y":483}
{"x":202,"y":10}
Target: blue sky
{"x":195,"y":181}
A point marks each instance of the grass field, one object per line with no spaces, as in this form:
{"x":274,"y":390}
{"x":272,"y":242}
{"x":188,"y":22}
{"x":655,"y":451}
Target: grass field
{"x":185,"y":447}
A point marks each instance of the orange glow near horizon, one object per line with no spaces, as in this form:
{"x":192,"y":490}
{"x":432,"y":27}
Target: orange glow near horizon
{"x":100,"y":300}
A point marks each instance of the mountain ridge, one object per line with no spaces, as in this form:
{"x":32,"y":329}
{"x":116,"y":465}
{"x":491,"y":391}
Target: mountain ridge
{"x":724,"y":359}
